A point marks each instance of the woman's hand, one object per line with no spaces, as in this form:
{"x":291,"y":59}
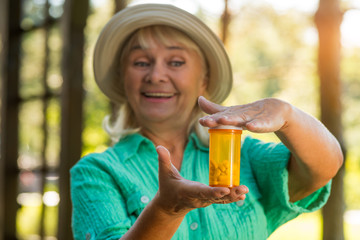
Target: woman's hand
{"x":177,"y":196}
{"x":266,"y":115}
{"x":312,"y":146}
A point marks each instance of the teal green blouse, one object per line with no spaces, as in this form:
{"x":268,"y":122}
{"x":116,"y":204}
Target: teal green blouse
{"x":110,"y":189}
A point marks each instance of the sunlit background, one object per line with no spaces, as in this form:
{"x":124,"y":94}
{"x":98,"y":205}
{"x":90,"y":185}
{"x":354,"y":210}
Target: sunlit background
{"x":272,"y":45}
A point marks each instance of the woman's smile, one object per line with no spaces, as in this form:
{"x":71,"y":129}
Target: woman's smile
{"x":158,"y":97}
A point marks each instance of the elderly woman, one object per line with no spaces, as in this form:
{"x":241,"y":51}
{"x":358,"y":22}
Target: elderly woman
{"x":157,"y":62}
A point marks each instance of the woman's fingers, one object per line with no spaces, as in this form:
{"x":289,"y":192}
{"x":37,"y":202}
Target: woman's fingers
{"x":208,"y":106}
{"x":166,"y":168}
{"x":218,"y":115}
{"x":202,"y":191}
{"x":164,"y":158}
{"x":200,"y":195}
{"x":266,"y":115}
{"x":237,"y":193}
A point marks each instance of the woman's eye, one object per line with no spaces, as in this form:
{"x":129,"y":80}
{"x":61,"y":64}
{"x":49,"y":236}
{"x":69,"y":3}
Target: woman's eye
{"x":177,"y":63}
{"x":141,"y":64}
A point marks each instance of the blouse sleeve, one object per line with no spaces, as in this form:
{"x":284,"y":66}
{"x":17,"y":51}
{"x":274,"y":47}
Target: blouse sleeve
{"x":269,"y":162}
{"x":99,"y":210}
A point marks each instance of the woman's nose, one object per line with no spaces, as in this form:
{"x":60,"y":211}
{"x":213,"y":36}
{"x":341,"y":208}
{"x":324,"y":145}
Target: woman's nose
{"x":157,"y":73}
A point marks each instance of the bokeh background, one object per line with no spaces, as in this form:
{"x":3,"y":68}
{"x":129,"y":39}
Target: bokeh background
{"x":273,"y":46}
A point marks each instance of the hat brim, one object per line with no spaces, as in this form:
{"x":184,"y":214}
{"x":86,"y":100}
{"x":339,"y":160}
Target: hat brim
{"x":125,"y":22}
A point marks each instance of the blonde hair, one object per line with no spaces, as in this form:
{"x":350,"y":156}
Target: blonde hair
{"x":125,"y":123}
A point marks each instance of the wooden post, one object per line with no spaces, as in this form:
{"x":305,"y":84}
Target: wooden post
{"x":74,"y":21}
{"x":225,"y":22}
{"x":10,"y":65}
{"x":328,"y":19}
{"x":114,"y":107}
{"x":120,"y":4}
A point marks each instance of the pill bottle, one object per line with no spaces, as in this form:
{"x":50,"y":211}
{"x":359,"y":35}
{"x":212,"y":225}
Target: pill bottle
{"x":224,"y":156}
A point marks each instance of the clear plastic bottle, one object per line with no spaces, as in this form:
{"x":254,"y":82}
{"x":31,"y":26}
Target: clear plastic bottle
{"x":224,"y":156}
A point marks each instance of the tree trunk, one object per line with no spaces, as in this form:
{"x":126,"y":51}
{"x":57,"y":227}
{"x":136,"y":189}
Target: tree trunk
{"x":10,"y":66}
{"x":328,"y":19}
{"x":74,"y":21}
{"x":225,"y":22}
{"x":120,"y":5}
{"x":114,"y":107}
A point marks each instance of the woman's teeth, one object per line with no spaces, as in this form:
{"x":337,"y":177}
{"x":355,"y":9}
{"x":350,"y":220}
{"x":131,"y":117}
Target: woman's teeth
{"x":159,"y":95}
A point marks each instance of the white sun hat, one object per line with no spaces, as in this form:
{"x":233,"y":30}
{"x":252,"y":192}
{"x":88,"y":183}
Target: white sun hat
{"x":124,"y":23}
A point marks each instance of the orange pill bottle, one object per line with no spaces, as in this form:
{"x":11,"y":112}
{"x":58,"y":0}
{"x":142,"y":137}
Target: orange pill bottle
{"x":224,"y":156}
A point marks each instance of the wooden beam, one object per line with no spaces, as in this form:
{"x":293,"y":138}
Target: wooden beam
{"x":10,"y":65}
{"x":74,"y":21}
{"x":328,"y":19}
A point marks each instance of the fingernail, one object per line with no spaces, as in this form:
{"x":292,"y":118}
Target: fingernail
{"x":158,"y":146}
{"x":244,"y":188}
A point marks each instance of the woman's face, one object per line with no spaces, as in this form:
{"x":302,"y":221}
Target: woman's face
{"x":162,"y":83}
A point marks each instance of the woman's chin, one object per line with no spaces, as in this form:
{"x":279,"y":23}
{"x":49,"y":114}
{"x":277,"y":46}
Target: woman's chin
{"x":161,"y":117}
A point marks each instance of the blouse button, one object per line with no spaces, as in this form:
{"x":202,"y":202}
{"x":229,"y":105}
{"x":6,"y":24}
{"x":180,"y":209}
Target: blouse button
{"x":194,"y":226}
{"x":144,"y":199}
{"x":240,"y":203}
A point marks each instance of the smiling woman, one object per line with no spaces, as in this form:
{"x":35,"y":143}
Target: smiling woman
{"x":157,"y":62}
